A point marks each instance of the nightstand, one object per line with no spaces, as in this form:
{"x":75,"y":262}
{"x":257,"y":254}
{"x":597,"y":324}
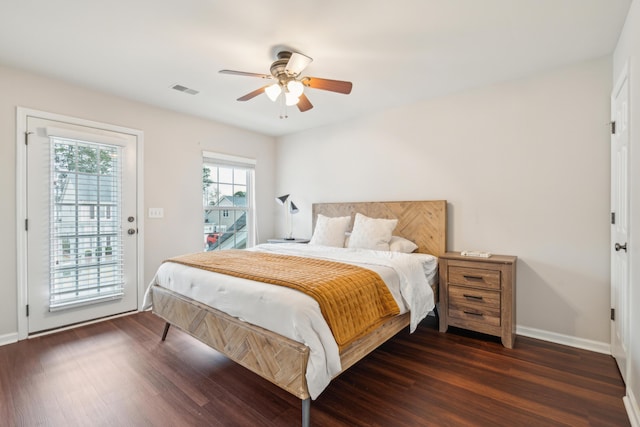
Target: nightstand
{"x":479,"y":294}
{"x":283,"y":240}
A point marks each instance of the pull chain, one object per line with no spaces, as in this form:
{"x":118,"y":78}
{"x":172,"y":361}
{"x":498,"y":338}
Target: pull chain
{"x":283,"y":107}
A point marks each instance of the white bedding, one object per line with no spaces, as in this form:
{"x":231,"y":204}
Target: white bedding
{"x":295,"y":315}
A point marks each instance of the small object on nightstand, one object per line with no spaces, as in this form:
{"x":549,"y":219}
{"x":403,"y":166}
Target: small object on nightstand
{"x":294,"y":240}
{"x":479,"y":294}
{"x":477,"y":254}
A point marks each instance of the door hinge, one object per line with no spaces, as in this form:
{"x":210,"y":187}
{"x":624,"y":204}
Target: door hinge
{"x":613,"y":217}
{"x":26,"y":137}
{"x":26,"y":224}
{"x":613,"y":127}
{"x":613,"y":314}
{"x":27,"y":310}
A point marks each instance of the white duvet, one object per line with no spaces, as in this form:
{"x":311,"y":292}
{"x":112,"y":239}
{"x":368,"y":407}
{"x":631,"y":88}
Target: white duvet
{"x":295,"y":315}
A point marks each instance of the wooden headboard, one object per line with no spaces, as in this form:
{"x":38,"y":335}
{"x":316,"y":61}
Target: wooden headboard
{"x":422,"y":222}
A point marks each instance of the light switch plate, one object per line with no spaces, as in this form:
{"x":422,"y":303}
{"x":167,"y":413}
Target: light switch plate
{"x":156,"y":212}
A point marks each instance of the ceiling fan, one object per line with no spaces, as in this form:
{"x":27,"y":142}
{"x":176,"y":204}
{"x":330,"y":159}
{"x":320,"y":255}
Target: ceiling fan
{"x":289,"y":86}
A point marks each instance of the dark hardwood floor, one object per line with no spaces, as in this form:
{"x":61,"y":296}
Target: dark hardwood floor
{"x":119,"y":373}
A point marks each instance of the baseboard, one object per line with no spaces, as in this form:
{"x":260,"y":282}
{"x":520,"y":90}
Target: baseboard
{"x":633,"y":408}
{"x":8,"y":338}
{"x":597,"y":346}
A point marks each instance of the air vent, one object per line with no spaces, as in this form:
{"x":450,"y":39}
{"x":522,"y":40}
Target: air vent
{"x":185,"y":89}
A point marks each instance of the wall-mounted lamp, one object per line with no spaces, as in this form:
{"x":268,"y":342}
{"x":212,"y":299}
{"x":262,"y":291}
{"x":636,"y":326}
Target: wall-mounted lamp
{"x":289,"y":209}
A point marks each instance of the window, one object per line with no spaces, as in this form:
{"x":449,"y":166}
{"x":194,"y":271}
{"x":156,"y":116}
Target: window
{"x":228,"y":207}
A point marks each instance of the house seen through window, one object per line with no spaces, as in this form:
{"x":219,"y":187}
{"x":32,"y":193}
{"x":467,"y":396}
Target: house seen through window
{"x":227,"y":207}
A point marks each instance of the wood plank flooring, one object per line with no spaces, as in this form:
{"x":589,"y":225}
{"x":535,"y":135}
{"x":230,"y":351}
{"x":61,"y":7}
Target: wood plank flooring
{"x":119,"y":373}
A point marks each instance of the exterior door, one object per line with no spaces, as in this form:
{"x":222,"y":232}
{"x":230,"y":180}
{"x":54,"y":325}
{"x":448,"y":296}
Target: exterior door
{"x":81,"y":224}
{"x":620,"y":223}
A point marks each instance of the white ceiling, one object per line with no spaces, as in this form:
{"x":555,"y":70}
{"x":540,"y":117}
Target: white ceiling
{"x":394,"y":52}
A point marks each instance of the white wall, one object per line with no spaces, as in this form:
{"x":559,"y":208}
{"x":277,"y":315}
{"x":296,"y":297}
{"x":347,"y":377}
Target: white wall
{"x":524,"y":166}
{"x":628,"y":49}
{"x":173,"y":145}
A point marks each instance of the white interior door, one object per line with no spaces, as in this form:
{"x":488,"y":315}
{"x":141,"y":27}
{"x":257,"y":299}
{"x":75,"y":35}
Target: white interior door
{"x":81,"y":229}
{"x":620,"y":223}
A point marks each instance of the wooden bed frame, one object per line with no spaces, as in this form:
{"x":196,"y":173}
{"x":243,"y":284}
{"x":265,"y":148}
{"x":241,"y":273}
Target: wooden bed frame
{"x":279,"y":359}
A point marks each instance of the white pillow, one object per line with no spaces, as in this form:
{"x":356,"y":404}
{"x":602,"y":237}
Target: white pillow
{"x":330,"y":231}
{"x":400,"y":244}
{"x":371,"y":233}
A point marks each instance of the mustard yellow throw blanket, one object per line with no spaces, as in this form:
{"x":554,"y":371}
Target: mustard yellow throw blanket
{"x":353,"y":300}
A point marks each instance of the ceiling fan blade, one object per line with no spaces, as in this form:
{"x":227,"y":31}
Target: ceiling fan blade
{"x":244,"y":73}
{"x":327,"y":84}
{"x":253,"y":94}
{"x":304,"y":104}
{"x":297,"y":63}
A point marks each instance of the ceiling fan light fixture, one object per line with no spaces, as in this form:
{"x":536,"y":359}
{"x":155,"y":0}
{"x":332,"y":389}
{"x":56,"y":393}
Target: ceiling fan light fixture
{"x":291,"y":84}
{"x":290,"y":99}
{"x":273,"y":91}
{"x":295,"y":87}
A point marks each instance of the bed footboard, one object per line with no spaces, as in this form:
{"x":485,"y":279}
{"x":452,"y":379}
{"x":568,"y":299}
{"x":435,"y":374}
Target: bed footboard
{"x":276,"y":358}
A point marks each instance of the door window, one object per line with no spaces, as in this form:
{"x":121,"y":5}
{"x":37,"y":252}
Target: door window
{"x":85,"y":213}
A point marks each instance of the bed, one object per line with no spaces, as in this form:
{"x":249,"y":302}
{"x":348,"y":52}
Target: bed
{"x":279,"y":358}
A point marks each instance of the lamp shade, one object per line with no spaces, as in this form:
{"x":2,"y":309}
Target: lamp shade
{"x":290,"y":99}
{"x":295,"y":87}
{"x":293,"y":208}
{"x":282,"y":199}
{"x":273,"y":91}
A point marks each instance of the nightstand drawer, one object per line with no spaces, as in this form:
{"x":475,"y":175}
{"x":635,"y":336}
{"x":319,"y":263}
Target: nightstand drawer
{"x":476,"y":316}
{"x":475,"y":305}
{"x":470,"y":297}
{"x":469,"y":276}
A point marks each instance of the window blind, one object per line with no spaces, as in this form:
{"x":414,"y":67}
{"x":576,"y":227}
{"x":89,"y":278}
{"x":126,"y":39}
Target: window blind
{"x":86,"y":252}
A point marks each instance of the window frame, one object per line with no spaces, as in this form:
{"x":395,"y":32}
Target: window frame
{"x":235,"y":162}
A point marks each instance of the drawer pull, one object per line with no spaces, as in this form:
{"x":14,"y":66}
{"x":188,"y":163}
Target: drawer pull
{"x":472,"y":313}
{"x":472,"y":297}
{"x":473,"y":277}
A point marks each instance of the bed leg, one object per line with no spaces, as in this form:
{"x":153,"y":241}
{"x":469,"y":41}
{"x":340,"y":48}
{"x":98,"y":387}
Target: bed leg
{"x":306,"y":409}
{"x":166,"y":329}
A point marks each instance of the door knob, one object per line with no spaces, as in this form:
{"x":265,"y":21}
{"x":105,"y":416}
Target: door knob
{"x":618,"y":246}
{"x":132,"y":231}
